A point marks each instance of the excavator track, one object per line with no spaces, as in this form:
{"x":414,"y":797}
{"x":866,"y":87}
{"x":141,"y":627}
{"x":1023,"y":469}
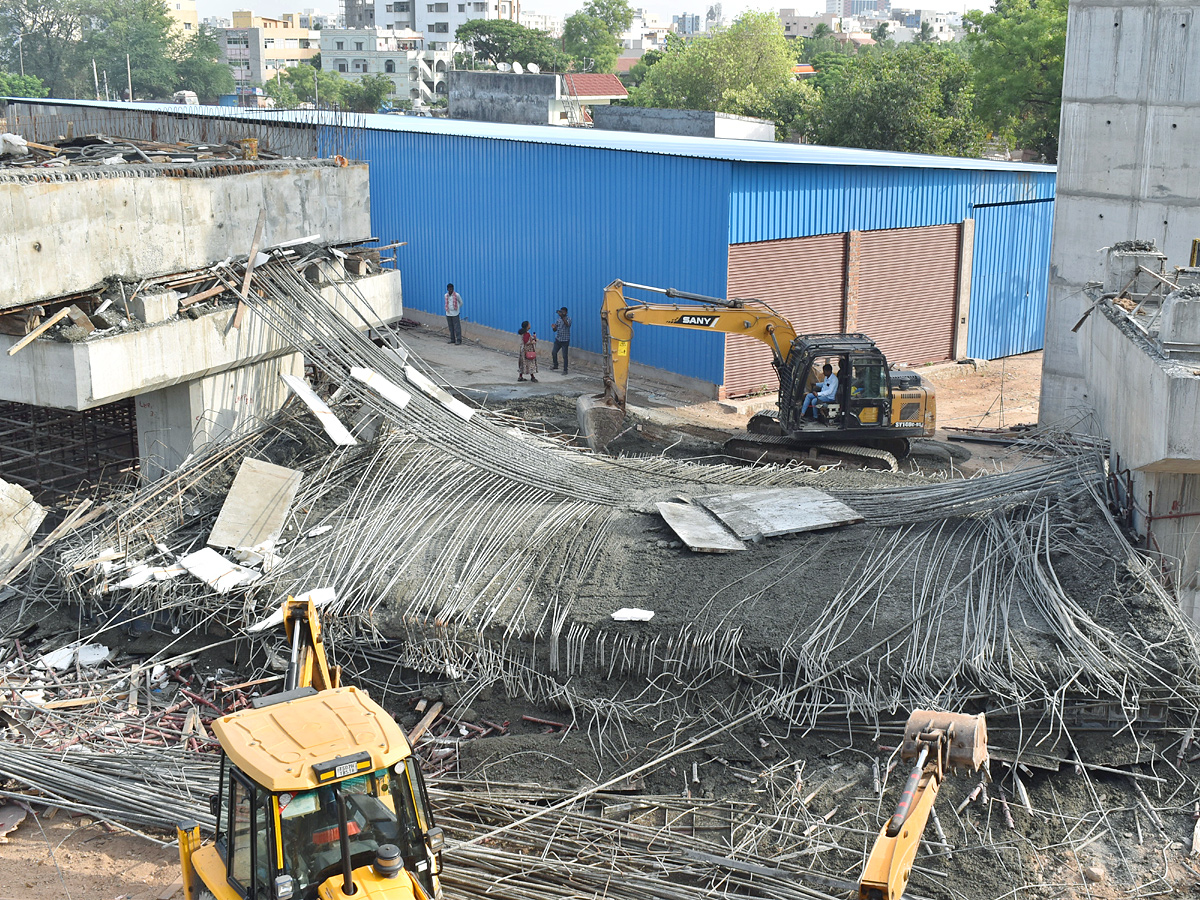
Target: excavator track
{"x":779,"y":449}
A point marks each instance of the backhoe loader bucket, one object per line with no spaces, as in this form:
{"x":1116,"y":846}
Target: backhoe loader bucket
{"x":599,"y":423}
{"x":966,"y":735}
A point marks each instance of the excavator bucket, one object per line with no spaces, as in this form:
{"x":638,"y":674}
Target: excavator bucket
{"x":599,"y":423}
{"x":966,"y":735}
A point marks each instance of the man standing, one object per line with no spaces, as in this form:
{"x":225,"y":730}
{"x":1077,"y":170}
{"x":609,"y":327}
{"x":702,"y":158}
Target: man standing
{"x":453,"y":306}
{"x":562,"y":339}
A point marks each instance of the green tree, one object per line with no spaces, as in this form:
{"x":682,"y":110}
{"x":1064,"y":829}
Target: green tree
{"x":735,"y":68}
{"x":918,"y":99}
{"x":831,"y":69}
{"x":821,"y":30}
{"x":641,"y":68}
{"x":617,"y":15}
{"x":198,"y":66}
{"x":925,"y":35}
{"x":281,"y":91}
{"x":50,"y":32}
{"x":589,"y":43}
{"x":881,"y":34}
{"x":367,"y":94}
{"x":1017,"y":53}
{"x":13,"y":85}
{"x":137,"y":29}
{"x":812,"y":47}
{"x":501,"y":40}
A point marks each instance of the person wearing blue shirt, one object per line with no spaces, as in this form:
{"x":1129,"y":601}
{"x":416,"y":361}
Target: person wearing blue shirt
{"x":825,"y":393}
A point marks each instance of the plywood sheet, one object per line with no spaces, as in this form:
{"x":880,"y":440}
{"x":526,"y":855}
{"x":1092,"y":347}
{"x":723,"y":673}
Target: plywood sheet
{"x":256,"y":506}
{"x":698,"y":529}
{"x":776,"y":511}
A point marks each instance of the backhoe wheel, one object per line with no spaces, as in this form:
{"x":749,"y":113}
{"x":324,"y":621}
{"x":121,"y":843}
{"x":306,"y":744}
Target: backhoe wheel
{"x":764,"y":423}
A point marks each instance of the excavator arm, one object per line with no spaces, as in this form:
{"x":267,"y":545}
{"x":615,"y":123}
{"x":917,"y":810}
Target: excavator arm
{"x":933,"y":742}
{"x":307,"y":664}
{"x":600,"y":417}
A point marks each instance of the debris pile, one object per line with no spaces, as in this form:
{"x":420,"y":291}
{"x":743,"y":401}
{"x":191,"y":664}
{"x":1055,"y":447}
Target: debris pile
{"x":488,"y":560}
{"x":101,"y":150}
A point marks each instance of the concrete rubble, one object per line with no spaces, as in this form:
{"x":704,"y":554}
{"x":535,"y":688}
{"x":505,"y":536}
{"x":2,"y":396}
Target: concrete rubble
{"x":494,"y":589}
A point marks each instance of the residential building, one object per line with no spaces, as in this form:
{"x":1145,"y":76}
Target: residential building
{"x":215,"y":22}
{"x":184,"y":18}
{"x":647,"y":31}
{"x":418,"y":73}
{"x":439,"y":20}
{"x":358,"y":14}
{"x":795,"y":26}
{"x":688,"y":24}
{"x":551,"y":24}
{"x":257,"y":47}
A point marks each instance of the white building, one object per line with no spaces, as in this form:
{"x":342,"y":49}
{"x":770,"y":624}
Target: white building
{"x":417,"y":72}
{"x":437,"y":21}
{"x":551,"y":24}
{"x":647,"y":31}
{"x":795,"y":26}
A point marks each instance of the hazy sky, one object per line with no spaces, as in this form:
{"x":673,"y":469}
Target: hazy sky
{"x":561,"y":8}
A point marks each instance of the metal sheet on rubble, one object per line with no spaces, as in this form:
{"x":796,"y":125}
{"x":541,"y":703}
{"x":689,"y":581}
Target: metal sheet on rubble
{"x":256,"y":505}
{"x":777,"y":511}
{"x":698,"y":529}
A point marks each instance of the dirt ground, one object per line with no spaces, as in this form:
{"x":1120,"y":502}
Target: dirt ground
{"x":63,"y":857}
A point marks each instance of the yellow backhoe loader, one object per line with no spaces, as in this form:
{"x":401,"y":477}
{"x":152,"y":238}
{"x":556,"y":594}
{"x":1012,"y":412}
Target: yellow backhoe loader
{"x":320,"y":797}
{"x":873,"y":413}
{"x":933,"y":742}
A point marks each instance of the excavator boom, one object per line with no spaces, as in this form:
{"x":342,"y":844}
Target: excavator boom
{"x":600,"y":417}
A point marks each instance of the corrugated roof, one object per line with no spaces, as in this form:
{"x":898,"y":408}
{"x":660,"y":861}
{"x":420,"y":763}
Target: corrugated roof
{"x":666,"y":144}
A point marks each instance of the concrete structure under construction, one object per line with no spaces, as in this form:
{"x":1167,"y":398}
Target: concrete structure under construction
{"x":698,"y":123}
{"x":128,"y":232}
{"x":1130,"y":126}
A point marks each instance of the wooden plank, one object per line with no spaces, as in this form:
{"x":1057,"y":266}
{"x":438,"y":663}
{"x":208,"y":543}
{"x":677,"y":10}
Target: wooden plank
{"x":775,"y":511}
{"x":331,"y":423}
{"x":203,"y":295}
{"x":698,"y":529}
{"x":256,"y":505}
{"x":241,"y":307}
{"x":40,"y":330}
{"x":421,"y":727}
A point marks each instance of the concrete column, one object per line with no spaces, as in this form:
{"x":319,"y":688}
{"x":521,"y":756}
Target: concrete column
{"x":962,"y":303}
{"x":850,"y":298}
{"x":175,"y":421}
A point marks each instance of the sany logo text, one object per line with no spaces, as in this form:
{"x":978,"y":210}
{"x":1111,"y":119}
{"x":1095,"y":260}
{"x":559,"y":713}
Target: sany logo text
{"x":702,"y":321}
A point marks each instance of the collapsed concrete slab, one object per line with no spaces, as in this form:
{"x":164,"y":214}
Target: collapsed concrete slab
{"x":20,"y":517}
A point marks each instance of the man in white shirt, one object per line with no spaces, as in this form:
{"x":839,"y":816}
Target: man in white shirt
{"x":453,"y":306}
{"x":826,"y":392}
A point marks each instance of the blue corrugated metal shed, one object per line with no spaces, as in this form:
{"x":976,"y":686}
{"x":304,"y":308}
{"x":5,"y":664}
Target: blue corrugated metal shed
{"x":524,"y":219}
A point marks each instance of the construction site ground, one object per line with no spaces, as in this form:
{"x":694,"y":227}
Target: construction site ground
{"x":754,"y":764}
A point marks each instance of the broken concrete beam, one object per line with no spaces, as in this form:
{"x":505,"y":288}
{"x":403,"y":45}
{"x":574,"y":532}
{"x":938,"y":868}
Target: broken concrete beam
{"x":20,"y":517}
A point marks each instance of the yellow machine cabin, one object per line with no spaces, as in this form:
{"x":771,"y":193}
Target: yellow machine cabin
{"x":320,"y":795}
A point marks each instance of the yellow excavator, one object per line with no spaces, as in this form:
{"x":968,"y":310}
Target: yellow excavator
{"x":874,"y":412}
{"x":320,"y":795}
{"x":934,"y":742}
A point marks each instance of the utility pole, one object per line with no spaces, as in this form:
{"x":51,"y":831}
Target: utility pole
{"x":129,"y":75}
{"x":21,"y":51}
{"x":95,"y":79}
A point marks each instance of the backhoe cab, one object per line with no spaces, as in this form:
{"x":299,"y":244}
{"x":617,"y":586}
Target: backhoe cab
{"x":320,"y":795}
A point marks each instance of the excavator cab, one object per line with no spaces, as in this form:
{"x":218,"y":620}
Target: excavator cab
{"x":864,"y":390}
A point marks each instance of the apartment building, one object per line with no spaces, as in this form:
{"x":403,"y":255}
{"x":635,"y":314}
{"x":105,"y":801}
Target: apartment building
{"x":551,"y":24}
{"x":647,"y":31}
{"x":185,"y":19}
{"x":438,"y":21}
{"x":257,"y":47}
{"x":418,"y":73}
